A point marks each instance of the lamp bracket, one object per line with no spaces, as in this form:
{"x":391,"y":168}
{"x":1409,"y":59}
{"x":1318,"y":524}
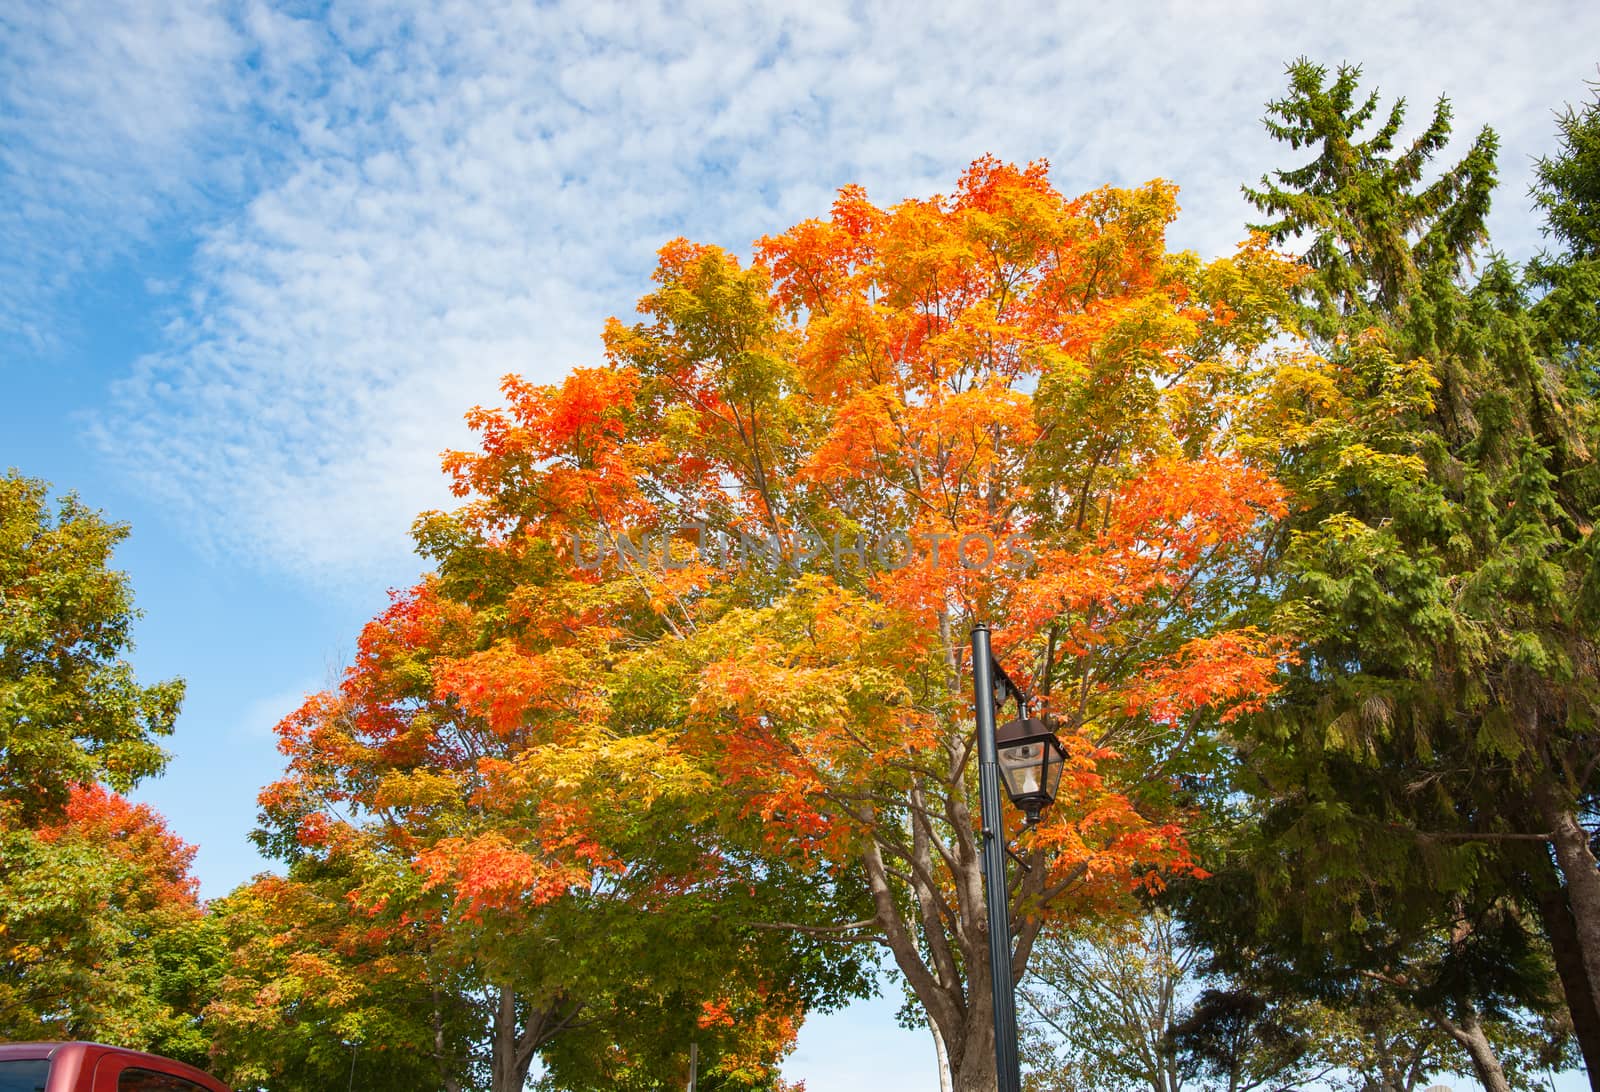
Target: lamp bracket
{"x":1007,"y":688}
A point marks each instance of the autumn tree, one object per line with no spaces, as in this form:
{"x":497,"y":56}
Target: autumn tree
{"x":1407,"y":799}
{"x":314,"y":993}
{"x":735,"y":565}
{"x":101,"y":931}
{"x":479,"y":803}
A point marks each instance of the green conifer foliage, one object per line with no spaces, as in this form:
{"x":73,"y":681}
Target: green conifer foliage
{"x":1440,"y":725}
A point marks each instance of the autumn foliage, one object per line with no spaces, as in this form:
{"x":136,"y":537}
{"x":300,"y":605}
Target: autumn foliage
{"x":101,"y":931}
{"x":672,"y":744}
{"x":1001,"y":404}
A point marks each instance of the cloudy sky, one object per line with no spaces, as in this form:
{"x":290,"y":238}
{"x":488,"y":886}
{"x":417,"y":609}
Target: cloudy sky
{"x":256,"y":259}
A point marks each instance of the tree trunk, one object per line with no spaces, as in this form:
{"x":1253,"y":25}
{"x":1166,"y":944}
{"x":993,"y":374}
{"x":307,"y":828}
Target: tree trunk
{"x":1582,"y":875}
{"x":943,"y":1056}
{"x":976,"y":1073}
{"x":439,"y":1047}
{"x":510,"y":1060}
{"x":1485,"y":1063}
{"x":1563,"y":936}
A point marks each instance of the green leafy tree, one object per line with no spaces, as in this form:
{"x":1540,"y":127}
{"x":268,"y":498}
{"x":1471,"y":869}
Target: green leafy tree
{"x":1372,"y":1040}
{"x":1099,"y":1004}
{"x":101,"y":933}
{"x":1134,"y":1005}
{"x":71,"y":711}
{"x":349,"y":965}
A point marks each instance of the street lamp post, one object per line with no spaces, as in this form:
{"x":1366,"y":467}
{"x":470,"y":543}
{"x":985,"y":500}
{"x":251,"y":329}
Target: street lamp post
{"x":1007,"y":1066}
{"x":1032,"y":762}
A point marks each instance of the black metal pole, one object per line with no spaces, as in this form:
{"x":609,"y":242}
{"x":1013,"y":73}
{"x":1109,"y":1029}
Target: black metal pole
{"x":1008,"y":1070}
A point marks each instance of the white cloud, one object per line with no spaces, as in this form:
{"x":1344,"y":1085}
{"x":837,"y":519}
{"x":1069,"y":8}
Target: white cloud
{"x":471,"y":190}
{"x":108,"y":114}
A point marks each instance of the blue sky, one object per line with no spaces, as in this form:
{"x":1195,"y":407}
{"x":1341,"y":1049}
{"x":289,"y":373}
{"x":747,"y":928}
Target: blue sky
{"x":257,"y":259}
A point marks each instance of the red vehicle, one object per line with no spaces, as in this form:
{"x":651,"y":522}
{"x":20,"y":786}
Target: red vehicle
{"x":90,"y":1067}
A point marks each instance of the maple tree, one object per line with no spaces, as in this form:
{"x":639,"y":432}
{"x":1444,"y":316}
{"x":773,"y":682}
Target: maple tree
{"x":319,"y":987}
{"x":465,"y":808}
{"x":101,"y":930}
{"x":711,"y":596}
{"x":314,"y":994}
{"x":1003,"y":366}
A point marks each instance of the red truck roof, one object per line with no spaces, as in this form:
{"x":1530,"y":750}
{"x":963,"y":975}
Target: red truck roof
{"x":94,"y":1067}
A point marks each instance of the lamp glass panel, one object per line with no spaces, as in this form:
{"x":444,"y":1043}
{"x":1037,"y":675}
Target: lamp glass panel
{"x":1022,"y":766}
{"x":1055,"y":759}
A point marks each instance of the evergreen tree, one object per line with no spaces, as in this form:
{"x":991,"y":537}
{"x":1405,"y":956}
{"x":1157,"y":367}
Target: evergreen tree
{"x":1435,"y":574}
{"x":1568,"y":184}
{"x":1371,"y":231}
{"x":1567,"y":188}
